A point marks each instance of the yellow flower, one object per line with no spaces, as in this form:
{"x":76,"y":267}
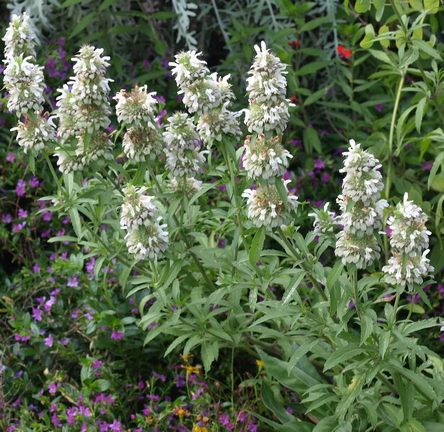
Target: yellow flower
{"x":260,"y":364}
{"x":199,"y":429}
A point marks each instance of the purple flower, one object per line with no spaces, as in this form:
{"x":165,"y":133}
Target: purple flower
{"x":379,"y":107}
{"x":49,"y":341}
{"x":18,"y":375}
{"x":37,"y":314}
{"x":52,"y":388}
{"x":96,"y":364}
{"x":18,"y":227}
{"x":319,"y":163}
{"x":20,"y":189}
{"x":117,"y":335}
{"x":34,"y":182}
{"x":10,"y":157}
{"x":427,"y":165}
{"x":36,"y":268}
{"x":47,"y":216}
{"x":73,"y":281}
{"x":6,"y":218}
{"x":161,"y":377}
{"x":64,"y":342}
{"x":22,"y":214}
{"x":325,"y":178}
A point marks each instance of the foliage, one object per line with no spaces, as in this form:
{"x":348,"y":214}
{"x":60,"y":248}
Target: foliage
{"x":275,"y":331}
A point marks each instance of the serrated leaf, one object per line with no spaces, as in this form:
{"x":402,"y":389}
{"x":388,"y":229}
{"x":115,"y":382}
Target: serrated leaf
{"x":342,"y":355}
{"x":300,"y":352}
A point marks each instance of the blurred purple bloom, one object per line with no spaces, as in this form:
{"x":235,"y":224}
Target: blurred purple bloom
{"x":10,"y":157}
{"x":73,"y":281}
{"x":117,"y":335}
{"x":34,"y":182}
{"x":379,"y":107}
{"x":20,"y":189}
{"x":18,"y":227}
{"x":6,"y":218}
{"x":22,"y":214}
{"x":49,"y":341}
{"x":427,"y":165}
{"x":319,"y":163}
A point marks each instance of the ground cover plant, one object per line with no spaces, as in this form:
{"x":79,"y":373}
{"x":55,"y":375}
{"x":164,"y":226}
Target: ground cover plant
{"x":186,"y":250}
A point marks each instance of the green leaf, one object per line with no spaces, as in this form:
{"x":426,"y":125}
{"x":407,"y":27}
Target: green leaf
{"x":419,"y":114}
{"x":273,"y":405}
{"x":76,"y":223}
{"x":100,"y":385}
{"x":315,"y":96}
{"x":327,"y":424}
{"x":342,"y":355}
{"x":312,"y":67}
{"x":163,"y":15}
{"x":300,"y":352}
{"x":380,"y":55}
{"x":384,"y":341}
{"x":435,"y":166}
{"x":282,"y":191}
{"x":406,"y":394}
{"x":431,"y":6}
{"x":311,"y":140}
{"x":367,"y":323}
{"x":120,"y":29}
{"x":257,"y":245}
{"x":362,"y":6}
{"x":292,"y":287}
{"x":424,"y":46}
{"x":106,"y":4}
{"x":69,"y":3}
{"x":313,"y":23}
{"x":83,"y":23}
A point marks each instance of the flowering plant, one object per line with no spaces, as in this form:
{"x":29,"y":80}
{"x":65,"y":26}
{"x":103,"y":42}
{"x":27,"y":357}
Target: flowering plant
{"x":206,"y":243}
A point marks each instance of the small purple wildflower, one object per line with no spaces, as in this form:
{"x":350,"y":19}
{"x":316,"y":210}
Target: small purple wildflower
{"x":117,"y":335}
{"x":49,"y":341}
{"x":20,"y":189}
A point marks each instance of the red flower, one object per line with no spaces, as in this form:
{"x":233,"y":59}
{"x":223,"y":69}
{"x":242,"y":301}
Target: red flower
{"x":294,"y":44}
{"x":343,"y":53}
{"x":294,"y":99}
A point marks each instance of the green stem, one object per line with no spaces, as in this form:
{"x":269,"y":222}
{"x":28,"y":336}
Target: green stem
{"x":412,"y":305}
{"x":395,"y":308}
{"x":51,"y":168}
{"x":354,"y":280}
{"x":391,"y":136}
{"x":303,"y":264}
{"x":384,"y":380}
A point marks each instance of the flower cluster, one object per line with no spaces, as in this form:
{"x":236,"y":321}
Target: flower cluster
{"x":265,"y":157}
{"x":183,"y":155}
{"x":266,"y":207}
{"x":146,"y":237}
{"x":83,"y":112}
{"x":136,"y":109}
{"x":24,"y":82}
{"x":206,"y":95}
{"x":408,"y":239}
{"x":268,"y":108}
{"x":361,"y":208}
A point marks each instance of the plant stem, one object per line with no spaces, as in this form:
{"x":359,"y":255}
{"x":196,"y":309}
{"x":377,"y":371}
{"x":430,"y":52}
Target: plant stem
{"x":303,"y":264}
{"x":354,"y":281}
{"x":51,"y":168}
{"x":391,"y":135}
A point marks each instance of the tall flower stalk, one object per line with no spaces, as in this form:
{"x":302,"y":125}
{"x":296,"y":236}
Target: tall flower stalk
{"x":409,"y":240}
{"x":83,"y":112}
{"x":361,"y":208}
{"x":24,"y":81}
